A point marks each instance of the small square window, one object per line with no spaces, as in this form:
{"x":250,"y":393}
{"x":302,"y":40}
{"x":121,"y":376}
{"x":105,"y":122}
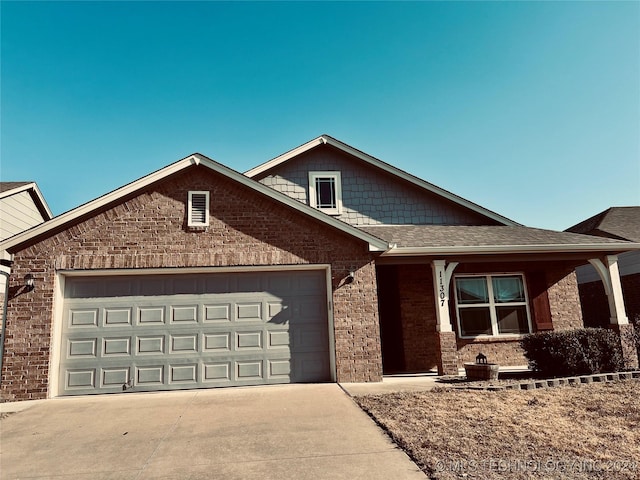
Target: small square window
{"x":198,"y":209}
{"x":325,"y":192}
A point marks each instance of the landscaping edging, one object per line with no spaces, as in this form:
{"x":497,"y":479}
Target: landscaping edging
{"x":557,"y":382}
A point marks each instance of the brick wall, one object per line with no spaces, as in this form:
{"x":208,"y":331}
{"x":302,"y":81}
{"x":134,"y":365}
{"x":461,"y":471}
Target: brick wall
{"x":564,"y":304}
{"x":506,"y":352}
{"x":418,"y":316}
{"x":564,"y":299}
{"x":149,"y":231}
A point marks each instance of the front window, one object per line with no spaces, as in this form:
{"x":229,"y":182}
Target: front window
{"x":492,"y":305}
{"x":325,"y":192}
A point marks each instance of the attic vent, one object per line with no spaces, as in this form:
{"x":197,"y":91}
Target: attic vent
{"x":198,"y":206}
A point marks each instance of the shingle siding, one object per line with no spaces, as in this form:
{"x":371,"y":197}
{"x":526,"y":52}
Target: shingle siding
{"x":369,"y":196}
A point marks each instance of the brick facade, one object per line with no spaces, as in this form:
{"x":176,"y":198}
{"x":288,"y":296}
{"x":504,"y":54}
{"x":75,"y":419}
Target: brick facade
{"x":418,"y":318}
{"x":149,"y":230}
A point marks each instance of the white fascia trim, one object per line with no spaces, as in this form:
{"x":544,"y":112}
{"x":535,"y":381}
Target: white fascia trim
{"x":375,"y":244}
{"x":324,"y":139}
{"x":505,"y":249}
{"x":285,"y":156}
{"x":30,"y":186}
{"x":13,"y":191}
{"x":42,"y":201}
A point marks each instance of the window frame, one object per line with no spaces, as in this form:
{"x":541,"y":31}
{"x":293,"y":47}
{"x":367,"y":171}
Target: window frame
{"x":190,"y":221}
{"x":491,"y":304}
{"x":337,"y":178}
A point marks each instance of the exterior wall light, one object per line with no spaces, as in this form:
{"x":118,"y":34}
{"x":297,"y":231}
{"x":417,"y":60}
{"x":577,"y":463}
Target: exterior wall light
{"x":352,"y":275}
{"x":29,"y":282}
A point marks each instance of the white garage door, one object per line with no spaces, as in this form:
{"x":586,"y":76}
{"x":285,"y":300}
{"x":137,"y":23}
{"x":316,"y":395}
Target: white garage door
{"x":169,"y":332}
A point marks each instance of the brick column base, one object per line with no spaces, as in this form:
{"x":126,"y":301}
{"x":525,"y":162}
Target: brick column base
{"x":628,"y":343}
{"x":447,"y":353}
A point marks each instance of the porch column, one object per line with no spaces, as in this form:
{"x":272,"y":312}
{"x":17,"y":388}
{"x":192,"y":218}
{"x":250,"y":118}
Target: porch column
{"x":607,"y":269}
{"x":447,"y":347}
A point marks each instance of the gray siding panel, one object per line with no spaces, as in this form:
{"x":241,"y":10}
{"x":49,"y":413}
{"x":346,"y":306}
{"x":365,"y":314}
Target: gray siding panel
{"x":17,"y":214}
{"x":369,"y":196}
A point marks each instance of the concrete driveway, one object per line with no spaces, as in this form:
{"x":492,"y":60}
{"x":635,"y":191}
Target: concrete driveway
{"x":276,"y":432}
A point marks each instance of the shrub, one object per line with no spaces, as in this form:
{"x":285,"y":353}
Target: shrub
{"x":574,"y":352}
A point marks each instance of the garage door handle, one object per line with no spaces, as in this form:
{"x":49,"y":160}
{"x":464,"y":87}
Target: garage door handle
{"x":127,"y":385}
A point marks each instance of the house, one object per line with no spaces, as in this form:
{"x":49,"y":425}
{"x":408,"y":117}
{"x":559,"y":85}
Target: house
{"x":323,"y":264}
{"x":22,"y":206}
{"x":622,"y":223}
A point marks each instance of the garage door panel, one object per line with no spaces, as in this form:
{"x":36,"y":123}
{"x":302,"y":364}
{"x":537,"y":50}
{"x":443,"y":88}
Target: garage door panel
{"x":249,"y":312}
{"x":83,"y":318}
{"x":184,"y":314}
{"x":183,"y":373}
{"x":183,"y":344}
{"x":82,"y":347}
{"x":216,"y":342}
{"x":114,"y":378}
{"x":150,"y":345}
{"x":150,"y":375}
{"x":251,"y":340}
{"x":216,"y":372}
{"x":80,"y":379}
{"x":168,"y":340}
{"x":217,"y":313}
{"x":116,"y":346}
{"x":117,"y":317}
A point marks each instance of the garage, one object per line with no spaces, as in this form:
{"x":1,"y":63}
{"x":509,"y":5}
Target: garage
{"x":199,"y":330}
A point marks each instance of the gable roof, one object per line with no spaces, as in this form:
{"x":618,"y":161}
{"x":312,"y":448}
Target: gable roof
{"x":11,"y":188}
{"x":484,"y":239}
{"x":615,"y":222}
{"x":328,"y":140}
{"x":86,"y":210}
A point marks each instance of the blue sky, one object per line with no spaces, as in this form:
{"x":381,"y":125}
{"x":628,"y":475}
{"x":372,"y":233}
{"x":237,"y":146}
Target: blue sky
{"x":530,"y":109}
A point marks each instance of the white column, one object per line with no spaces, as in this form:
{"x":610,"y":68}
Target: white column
{"x":442,"y":274}
{"x":607,"y":269}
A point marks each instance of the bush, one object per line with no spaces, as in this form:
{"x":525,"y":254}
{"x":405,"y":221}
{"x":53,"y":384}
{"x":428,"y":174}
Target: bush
{"x":574,"y":352}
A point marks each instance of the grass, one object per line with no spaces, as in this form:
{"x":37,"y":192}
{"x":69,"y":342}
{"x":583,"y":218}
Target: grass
{"x":573,"y":432}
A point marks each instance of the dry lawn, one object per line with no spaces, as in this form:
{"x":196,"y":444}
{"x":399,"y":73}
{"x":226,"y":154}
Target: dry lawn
{"x":573,"y":432}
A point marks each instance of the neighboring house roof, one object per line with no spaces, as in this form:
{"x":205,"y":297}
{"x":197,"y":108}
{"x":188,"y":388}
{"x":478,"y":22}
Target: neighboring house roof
{"x":11,"y":188}
{"x":327,"y":140}
{"x":460,"y":240}
{"x":86,"y":210}
{"x":615,"y":222}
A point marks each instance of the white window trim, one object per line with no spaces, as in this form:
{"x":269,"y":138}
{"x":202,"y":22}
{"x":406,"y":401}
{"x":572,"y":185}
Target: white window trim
{"x":190,"y":221}
{"x":338,"y":185}
{"x":492,"y":304}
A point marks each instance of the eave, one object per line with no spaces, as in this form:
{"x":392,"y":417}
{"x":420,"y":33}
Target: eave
{"x":596,"y":248}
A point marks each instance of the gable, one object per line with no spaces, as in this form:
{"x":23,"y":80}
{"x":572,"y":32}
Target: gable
{"x":376,"y":191}
{"x":370,"y":195}
{"x":149,"y":230}
{"x":19,"y":211}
